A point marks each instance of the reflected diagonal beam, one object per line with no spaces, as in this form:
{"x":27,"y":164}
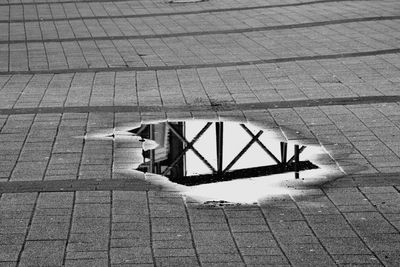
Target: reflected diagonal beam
{"x":300,"y":150}
{"x":189,"y":145}
{"x":261,"y":144}
{"x":254,"y":139}
{"x":141,"y":130}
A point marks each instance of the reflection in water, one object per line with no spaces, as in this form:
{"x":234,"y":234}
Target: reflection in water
{"x":159,"y":148}
{"x":193,"y":152}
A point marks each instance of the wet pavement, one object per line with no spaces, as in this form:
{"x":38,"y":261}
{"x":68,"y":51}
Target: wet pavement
{"x":77,"y":184}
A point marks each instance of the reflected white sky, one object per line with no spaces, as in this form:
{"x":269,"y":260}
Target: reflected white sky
{"x":234,"y":140}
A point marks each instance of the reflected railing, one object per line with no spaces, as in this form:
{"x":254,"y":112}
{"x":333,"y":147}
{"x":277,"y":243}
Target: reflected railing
{"x":176,"y":152}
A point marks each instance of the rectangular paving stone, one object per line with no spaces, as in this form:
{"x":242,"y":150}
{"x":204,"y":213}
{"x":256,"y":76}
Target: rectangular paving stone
{"x":131,"y":255}
{"x":261,"y":251}
{"x":90,"y":225}
{"x":254,"y":239}
{"x":57,"y":200}
{"x":169,"y":225}
{"x":92,"y":210}
{"x":290,"y":228}
{"x":340,"y":245}
{"x":9,"y":252}
{"x":92,"y":197}
{"x":216,"y":247}
{"x":87,"y":255}
{"x":220,"y":258}
{"x":53,"y":211}
{"x":266,"y":260}
{"x":130,"y":226}
{"x":177,"y":261}
{"x":172,"y":252}
{"x":242,"y":228}
{"x":86,"y":262}
{"x":81,"y":242}
{"x":49,"y":228}
{"x":129,"y":242}
{"x":358,"y":259}
{"x":43,"y":252}
{"x":130,"y":234}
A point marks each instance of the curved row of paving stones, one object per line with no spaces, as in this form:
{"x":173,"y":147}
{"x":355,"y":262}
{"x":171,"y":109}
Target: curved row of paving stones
{"x":177,"y":51}
{"x":127,"y":9}
{"x":301,"y":80}
{"x":154,"y":6}
{"x":210,"y":49}
{"x":53,"y":28}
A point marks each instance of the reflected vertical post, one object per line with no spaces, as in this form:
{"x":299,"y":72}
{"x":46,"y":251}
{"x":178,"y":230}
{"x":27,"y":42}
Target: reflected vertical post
{"x":296,"y":161}
{"x":283,"y":155}
{"x":219,"y":130}
{"x":151,"y":136}
{"x":176,"y":148}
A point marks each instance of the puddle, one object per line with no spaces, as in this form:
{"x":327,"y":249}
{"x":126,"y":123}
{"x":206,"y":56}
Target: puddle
{"x":213,"y":161}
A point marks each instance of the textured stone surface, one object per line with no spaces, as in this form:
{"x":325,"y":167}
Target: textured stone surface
{"x":316,"y":73}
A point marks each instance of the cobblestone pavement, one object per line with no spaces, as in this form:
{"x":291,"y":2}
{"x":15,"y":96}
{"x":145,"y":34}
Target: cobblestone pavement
{"x":325,"y":73}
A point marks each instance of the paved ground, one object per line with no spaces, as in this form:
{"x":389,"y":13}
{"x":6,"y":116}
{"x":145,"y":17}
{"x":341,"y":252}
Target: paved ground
{"x":316,"y":72}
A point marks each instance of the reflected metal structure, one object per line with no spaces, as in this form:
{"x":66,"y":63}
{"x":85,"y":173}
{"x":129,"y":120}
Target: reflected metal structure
{"x":174,"y":165}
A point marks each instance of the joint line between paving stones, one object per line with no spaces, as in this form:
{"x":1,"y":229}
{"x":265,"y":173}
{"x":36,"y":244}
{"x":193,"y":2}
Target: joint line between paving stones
{"x":110,"y":230}
{"x":26,"y":85}
{"x":69,"y":228}
{"x":210,"y":65}
{"x":47,"y":239}
{"x":201,"y":33}
{"x":397,"y":188}
{"x":273,"y":235}
{"x":9,"y":45}
{"x":23,"y":144}
{"x":191,"y":232}
{"x":228,"y":107}
{"x":150,"y":230}
{"x":233,"y":237}
{"x":74,"y":194}
{"x":353,"y":229}
{"x":111,"y":192}
{"x":203,"y":86}
{"x":27,"y":229}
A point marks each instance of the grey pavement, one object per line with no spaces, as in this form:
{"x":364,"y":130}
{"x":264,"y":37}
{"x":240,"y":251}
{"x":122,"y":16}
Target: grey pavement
{"x":322,"y":73}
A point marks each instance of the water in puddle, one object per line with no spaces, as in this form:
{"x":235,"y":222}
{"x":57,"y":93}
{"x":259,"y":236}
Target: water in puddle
{"x":193,"y":153}
{"x":227,"y":161}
